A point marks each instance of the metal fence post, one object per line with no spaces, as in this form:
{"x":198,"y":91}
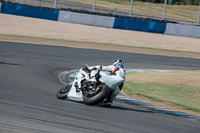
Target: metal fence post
{"x":40,"y":3}
{"x":131,"y":8}
{"x":198,"y":19}
{"x":94,"y":5}
{"x":164,"y":10}
{"x":54,"y":4}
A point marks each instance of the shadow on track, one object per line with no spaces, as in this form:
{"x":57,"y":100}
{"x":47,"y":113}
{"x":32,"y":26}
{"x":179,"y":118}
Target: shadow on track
{"x":135,"y":108}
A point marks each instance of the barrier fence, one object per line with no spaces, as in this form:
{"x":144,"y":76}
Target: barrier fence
{"x":185,"y":14}
{"x":100,"y":20}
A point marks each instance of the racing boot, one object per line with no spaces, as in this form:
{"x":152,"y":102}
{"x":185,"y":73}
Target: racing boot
{"x":107,"y":102}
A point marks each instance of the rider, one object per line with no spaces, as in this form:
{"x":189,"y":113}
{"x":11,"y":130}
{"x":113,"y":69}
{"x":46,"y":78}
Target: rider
{"x":116,"y":71}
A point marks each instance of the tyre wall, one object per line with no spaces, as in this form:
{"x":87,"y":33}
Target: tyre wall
{"x":100,"y":21}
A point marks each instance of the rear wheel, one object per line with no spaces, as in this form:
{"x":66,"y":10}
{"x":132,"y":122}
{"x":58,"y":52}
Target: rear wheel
{"x":62,"y":93}
{"x":93,"y":98}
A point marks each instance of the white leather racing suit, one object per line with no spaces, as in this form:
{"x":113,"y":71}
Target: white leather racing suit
{"x":116,"y":73}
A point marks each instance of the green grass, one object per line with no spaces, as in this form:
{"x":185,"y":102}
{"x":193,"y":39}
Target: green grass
{"x":96,"y":43}
{"x":185,"y":97}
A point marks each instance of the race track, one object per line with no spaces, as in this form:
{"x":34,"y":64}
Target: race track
{"x":29,"y":83}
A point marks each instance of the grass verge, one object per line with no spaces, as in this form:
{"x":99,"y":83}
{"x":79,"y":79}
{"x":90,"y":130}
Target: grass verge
{"x":179,"y":88}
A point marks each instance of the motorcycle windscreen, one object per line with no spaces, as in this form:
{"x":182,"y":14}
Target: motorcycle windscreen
{"x":111,"y":81}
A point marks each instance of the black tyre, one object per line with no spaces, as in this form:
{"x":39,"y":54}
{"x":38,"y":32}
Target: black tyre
{"x":99,"y":97}
{"x":62,"y":93}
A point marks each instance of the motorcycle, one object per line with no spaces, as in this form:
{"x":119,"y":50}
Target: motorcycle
{"x":81,"y":90}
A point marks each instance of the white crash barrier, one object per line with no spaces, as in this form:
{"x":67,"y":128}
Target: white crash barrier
{"x":86,"y":19}
{"x":182,"y":30}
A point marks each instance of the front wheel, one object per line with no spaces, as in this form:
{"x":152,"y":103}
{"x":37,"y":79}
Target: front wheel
{"x":62,"y":93}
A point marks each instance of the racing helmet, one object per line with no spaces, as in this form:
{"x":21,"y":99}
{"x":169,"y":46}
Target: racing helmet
{"x":119,"y":63}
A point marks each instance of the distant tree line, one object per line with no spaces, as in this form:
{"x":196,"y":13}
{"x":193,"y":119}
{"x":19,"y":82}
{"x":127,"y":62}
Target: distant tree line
{"x":174,"y":2}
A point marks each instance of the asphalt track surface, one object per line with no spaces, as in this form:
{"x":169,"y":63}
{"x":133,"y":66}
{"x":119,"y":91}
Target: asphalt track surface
{"x":29,"y":83}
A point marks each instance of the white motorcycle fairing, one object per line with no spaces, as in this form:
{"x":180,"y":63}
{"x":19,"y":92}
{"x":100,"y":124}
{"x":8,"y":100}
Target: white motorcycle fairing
{"x":73,"y":94}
